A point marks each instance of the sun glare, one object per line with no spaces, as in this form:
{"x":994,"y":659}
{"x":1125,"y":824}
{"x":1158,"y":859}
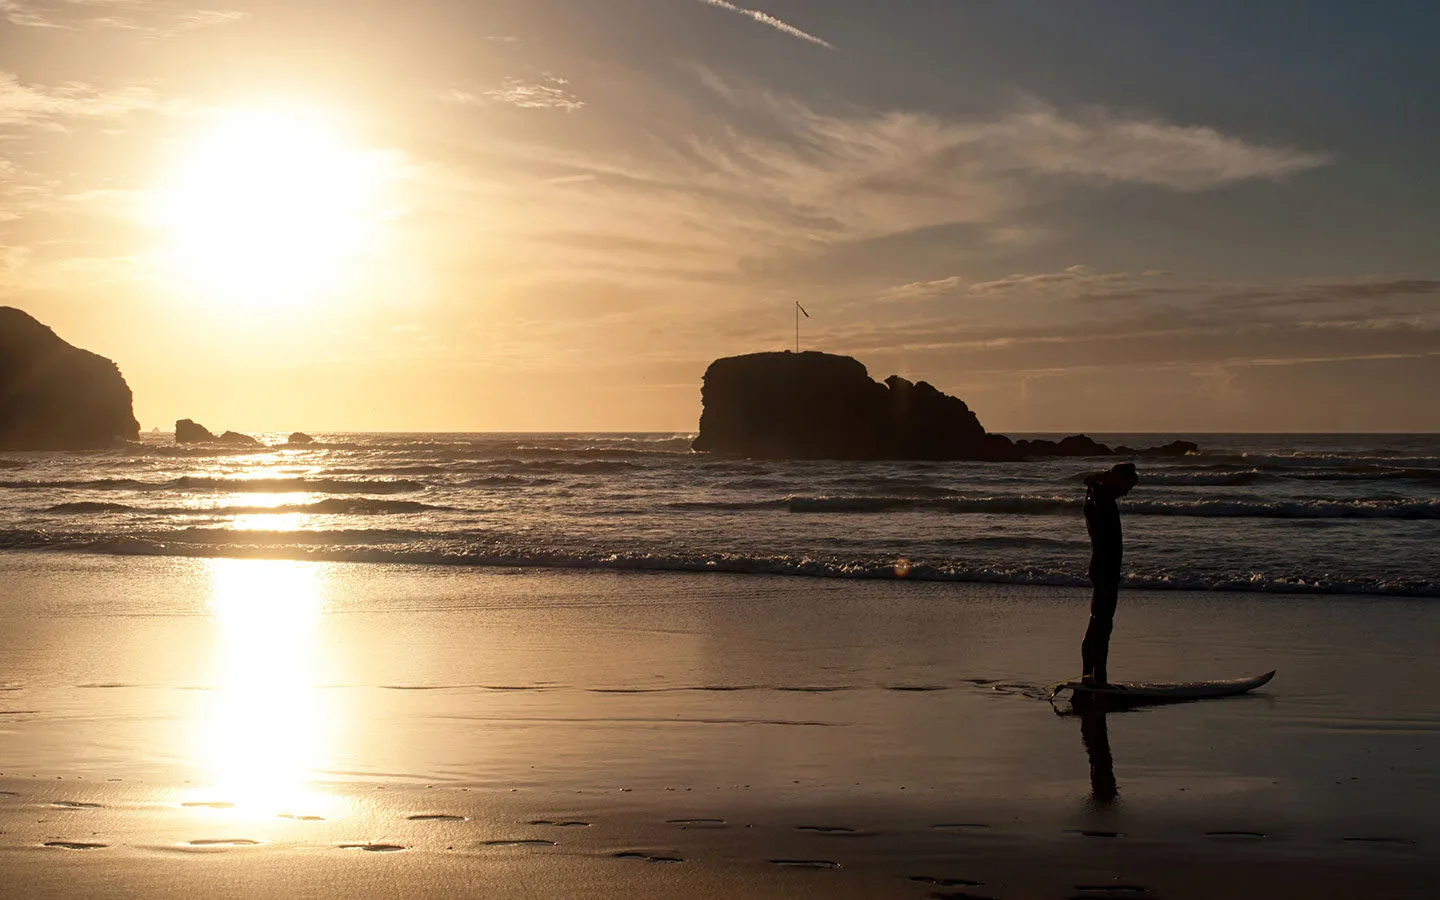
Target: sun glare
{"x":268,"y":723}
{"x":273,"y":207}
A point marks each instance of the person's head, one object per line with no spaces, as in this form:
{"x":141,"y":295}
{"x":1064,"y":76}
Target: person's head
{"x":1116,"y":480}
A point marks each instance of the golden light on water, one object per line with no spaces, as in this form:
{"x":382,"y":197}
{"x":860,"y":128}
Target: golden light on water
{"x":272,"y":207}
{"x":269,"y":725}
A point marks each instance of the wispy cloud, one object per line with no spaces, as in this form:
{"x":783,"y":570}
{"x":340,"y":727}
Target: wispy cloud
{"x":23,"y":103}
{"x":766,"y":19}
{"x":1190,"y":322}
{"x":153,"y":18}
{"x":1085,"y":285}
{"x":780,"y":184}
{"x":545,"y":92}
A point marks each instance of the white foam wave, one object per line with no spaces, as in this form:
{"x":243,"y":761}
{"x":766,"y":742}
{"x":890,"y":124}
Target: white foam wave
{"x":363,"y":547}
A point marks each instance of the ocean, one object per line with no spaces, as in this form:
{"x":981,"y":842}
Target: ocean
{"x":1305,"y":514}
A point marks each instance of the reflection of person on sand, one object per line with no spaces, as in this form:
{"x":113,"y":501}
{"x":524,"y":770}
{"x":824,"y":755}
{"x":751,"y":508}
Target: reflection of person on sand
{"x":1096,"y":737}
{"x":1102,"y":519}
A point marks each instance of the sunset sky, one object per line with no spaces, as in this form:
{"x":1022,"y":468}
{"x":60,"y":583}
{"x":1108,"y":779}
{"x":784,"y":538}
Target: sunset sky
{"x":553,"y":214}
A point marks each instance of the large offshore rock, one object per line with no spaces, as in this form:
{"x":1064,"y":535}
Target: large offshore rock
{"x":822,"y":406}
{"x":1074,"y":445}
{"x":188,"y":431}
{"x":57,"y":397}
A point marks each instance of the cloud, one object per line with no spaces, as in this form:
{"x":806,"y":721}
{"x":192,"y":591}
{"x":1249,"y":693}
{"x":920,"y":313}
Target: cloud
{"x":1069,"y":281}
{"x":920,"y":290}
{"x":153,"y":18}
{"x":1197,"y":323}
{"x":30,"y":104}
{"x":777,"y":194}
{"x":767,"y":19}
{"x":546,"y":92}
{"x":807,"y":178}
{"x":1072,"y":278}
{"x":1081,"y":284}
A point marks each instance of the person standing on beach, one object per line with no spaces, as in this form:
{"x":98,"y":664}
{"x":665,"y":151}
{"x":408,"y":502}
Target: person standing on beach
{"x":1102,"y":520}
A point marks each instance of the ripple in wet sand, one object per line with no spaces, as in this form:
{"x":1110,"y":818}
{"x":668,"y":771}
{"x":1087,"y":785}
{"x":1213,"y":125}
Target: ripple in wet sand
{"x":1382,"y":841}
{"x":76,"y":845}
{"x":435,"y":817}
{"x":1246,"y":835}
{"x":946,"y":882}
{"x":223,"y":842}
{"x":75,"y":804}
{"x":646,"y":857}
{"x":806,"y":863}
{"x":373,"y":848}
{"x":835,"y":830}
{"x":696,"y":823}
{"x":297,"y":818}
{"x":208,"y":804}
{"x":518,"y":842}
{"x":560,"y":823}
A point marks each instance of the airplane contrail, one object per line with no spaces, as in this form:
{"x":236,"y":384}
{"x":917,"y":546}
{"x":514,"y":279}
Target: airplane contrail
{"x":766,"y":19}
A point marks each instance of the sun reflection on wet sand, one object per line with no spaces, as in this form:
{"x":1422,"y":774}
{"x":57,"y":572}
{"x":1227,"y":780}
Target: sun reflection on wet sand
{"x":268,"y":725}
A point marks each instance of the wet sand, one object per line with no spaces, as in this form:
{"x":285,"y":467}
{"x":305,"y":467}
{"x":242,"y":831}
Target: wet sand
{"x":176,"y":727}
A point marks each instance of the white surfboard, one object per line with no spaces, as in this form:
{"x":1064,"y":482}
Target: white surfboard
{"x":1161,"y":691}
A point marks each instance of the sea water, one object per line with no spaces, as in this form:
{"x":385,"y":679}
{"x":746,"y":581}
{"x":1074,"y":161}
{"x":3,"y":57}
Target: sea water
{"x":1309,"y":514}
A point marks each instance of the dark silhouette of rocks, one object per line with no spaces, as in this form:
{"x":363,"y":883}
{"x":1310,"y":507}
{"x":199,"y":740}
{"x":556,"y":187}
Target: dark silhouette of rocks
{"x":1081,"y":445}
{"x":238,"y":439}
{"x":1174,"y":448}
{"x":1075,"y":445}
{"x":54,"y":396}
{"x":188,"y":431}
{"x":823,"y":406}
{"x":300,"y":439}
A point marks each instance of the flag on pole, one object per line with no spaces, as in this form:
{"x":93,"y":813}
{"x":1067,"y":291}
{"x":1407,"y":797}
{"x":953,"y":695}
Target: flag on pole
{"x":801,"y":308}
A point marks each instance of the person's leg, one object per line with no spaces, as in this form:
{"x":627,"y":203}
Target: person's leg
{"x":1095,"y":649}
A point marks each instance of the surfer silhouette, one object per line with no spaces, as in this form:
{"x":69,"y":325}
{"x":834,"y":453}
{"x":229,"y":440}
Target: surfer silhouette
{"x":1102,"y":520}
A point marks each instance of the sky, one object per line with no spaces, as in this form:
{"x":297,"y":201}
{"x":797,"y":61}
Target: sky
{"x":554,"y":214}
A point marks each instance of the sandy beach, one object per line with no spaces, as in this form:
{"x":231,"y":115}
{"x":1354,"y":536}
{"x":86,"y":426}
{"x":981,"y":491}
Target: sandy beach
{"x":179,"y":727}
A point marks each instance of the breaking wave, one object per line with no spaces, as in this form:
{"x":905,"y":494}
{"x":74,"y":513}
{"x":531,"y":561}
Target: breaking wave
{"x":1055,"y":505}
{"x":229,"y":485}
{"x":334,"y":506}
{"x":369,"y":546}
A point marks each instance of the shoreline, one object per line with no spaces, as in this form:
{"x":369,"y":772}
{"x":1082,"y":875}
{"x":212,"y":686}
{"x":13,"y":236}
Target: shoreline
{"x":131,"y":548}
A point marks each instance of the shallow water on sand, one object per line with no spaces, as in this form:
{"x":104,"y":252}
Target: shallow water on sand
{"x":153,"y":707}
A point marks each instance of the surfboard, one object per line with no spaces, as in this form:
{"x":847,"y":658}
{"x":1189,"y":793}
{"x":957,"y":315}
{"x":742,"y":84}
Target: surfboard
{"x":1172,"y":691}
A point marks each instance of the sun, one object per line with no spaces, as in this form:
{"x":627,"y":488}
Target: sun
{"x":271,"y":207}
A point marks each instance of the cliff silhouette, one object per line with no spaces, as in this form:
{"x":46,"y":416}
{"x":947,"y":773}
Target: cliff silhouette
{"x":814,"y":405}
{"x":54,"y":396}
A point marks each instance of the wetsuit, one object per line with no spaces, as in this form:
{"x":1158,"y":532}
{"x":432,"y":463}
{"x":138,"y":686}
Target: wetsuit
{"x":1102,"y":520}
